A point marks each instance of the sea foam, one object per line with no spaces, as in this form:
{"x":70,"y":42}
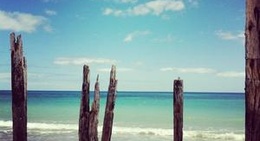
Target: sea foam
{"x":215,"y":135}
{"x":53,"y":128}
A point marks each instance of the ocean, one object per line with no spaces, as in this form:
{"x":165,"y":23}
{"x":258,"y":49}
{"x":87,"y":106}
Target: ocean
{"x":139,"y":116}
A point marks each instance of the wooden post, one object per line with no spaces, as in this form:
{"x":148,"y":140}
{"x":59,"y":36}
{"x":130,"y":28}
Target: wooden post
{"x":93,"y":121}
{"x":178,"y":110}
{"x":19,"y":89}
{"x":109,"y":113}
{"x":84,"y":107}
{"x":252,"y":80}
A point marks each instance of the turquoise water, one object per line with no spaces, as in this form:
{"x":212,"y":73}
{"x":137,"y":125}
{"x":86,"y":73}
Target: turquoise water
{"x":139,"y":116}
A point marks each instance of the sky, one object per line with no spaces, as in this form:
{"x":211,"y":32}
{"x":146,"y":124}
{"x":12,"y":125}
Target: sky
{"x":151,"y":42}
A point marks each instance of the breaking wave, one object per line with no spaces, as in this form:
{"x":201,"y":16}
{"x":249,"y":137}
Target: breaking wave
{"x":53,"y":128}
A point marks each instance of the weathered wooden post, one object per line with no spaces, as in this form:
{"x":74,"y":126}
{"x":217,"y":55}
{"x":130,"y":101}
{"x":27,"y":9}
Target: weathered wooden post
{"x":19,"y":89}
{"x":93,"y":121}
{"x":84,"y":107}
{"x":178,"y":110}
{"x":109,"y":113}
{"x":88,"y":120}
{"x":252,"y":79}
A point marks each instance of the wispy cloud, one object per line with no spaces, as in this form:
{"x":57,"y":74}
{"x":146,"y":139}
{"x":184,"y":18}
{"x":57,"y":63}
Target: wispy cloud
{"x":50,"y":12}
{"x":49,"y":1}
{"x":231,"y":74}
{"x":155,"y":7}
{"x":81,"y":61}
{"x":169,"y":38}
{"x":117,"y":69}
{"x":227,"y":35}
{"x":25,"y":22}
{"x":126,"y":1}
{"x":129,"y":37}
{"x":227,"y":74}
{"x":190,"y":70}
{"x":5,"y":75}
{"x":194,"y":2}
{"x":36,"y":75}
{"x":115,"y":12}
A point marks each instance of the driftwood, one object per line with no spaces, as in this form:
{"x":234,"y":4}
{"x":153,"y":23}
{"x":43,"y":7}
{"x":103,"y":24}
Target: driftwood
{"x":178,"y":110}
{"x":252,"y":80}
{"x":84,"y":107}
{"x":88,"y":120}
{"x":19,"y":89}
{"x":93,"y":118}
{"x":109,"y":113}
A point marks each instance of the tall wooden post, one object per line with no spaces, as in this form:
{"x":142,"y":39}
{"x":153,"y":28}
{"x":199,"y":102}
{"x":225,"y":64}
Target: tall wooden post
{"x":93,"y":121}
{"x":19,"y":89}
{"x":252,"y":80}
{"x":109,"y":113}
{"x":84,"y":107}
{"x":178,"y":110}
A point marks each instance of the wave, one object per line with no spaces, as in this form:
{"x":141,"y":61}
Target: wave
{"x":143,"y":131}
{"x":215,"y":135}
{"x":43,"y":126}
{"x":53,"y":128}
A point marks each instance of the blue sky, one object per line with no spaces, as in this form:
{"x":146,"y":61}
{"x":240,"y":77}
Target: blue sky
{"x":150,"y":42}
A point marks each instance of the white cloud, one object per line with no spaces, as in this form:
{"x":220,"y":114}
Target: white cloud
{"x":109,"y":11}
{"x":26,"y":22}
{"x":126,"y":1}
{"x":166,"y":69}
{"x":117,"y":69}
{"x":226,"y":35}
{"x":231,"y":74}
{"x":189,"y":70}
{"x":50,"y":12}
{"x":129,"y":37}
{"x":155,"y":7}
{"x":82,"y":61}
{"x":49,"y":1}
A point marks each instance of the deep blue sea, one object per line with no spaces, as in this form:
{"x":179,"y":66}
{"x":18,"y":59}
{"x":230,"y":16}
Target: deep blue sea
{"x":139,"y":116}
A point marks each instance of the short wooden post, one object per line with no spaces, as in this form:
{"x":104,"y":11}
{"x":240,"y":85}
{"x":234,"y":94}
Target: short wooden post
{"x":84,"y":107}
{"x":252,"y":68}
{"x":109,"y":113}
{"x":178,"y":110}
{"x":19,"y":89}
{"x":93,"y":121}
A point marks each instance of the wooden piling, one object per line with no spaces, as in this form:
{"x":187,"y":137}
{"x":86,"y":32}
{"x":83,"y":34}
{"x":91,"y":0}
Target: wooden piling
{"x":252,"y":69}
{"x":109,"y":113}
{"x":93,"y":121}
{"x":84,"y":107}
{"x":19,"y":89}
{"x":178,"y":110}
